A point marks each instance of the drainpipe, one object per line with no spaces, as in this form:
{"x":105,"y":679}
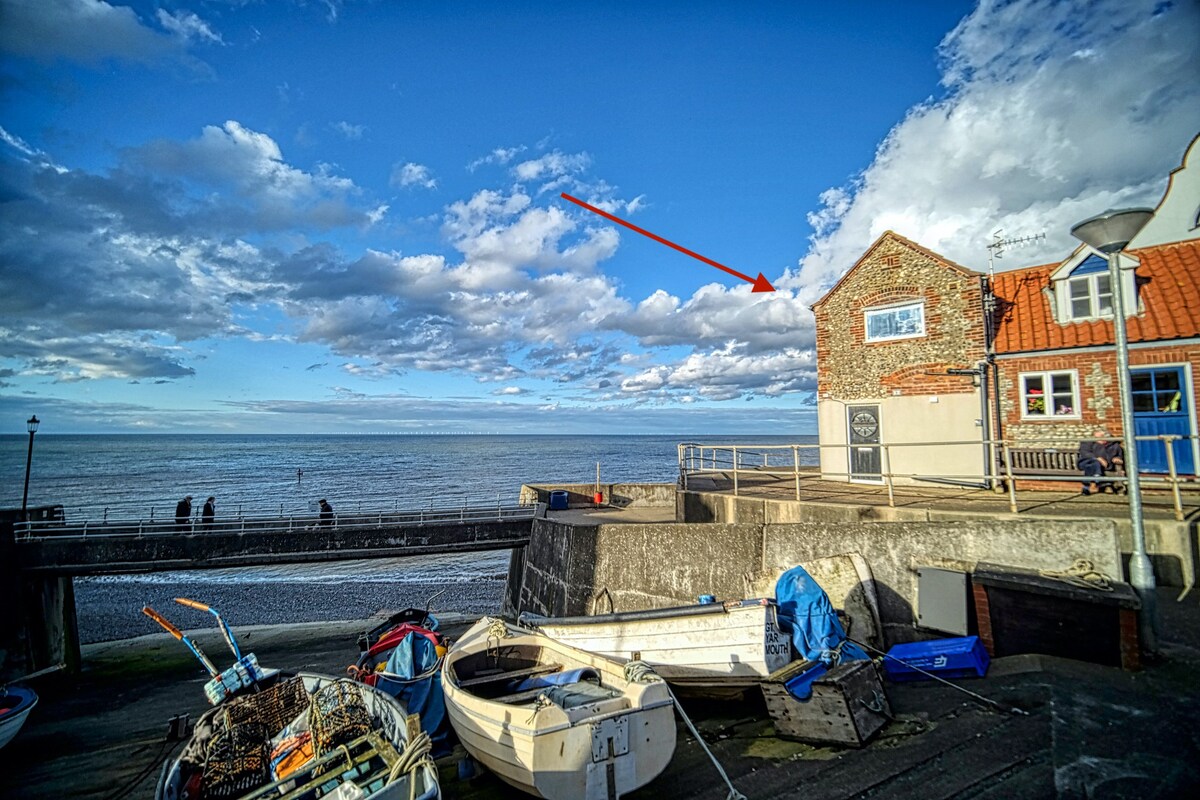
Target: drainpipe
{"x":985,"y":423}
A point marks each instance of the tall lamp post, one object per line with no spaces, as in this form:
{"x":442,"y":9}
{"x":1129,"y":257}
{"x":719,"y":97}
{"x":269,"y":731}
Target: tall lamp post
{"x":1109,"y":233}
{"x":32,"y":424}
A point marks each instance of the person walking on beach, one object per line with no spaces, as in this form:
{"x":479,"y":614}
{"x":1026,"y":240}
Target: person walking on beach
{"x":209,"y":513}
{"x":326,"y":512}
{"x":183,"y":510}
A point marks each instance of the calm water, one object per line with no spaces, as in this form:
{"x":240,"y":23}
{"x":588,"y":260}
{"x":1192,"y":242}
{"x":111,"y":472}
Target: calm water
{"x":134,"y":476}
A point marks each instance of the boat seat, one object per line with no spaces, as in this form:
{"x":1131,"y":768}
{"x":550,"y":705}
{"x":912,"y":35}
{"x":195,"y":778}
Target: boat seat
{"x":537,"y":669}
{"x":568,"y":695}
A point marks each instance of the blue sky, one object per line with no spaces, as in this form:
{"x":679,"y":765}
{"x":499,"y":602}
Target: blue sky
{"x":238,"y":216}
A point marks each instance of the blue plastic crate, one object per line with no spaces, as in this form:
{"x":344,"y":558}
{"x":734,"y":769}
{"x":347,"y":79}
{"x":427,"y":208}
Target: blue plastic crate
{"x":558,"y":500}
{"x":962,"y":657}
{"x":800,"y":686}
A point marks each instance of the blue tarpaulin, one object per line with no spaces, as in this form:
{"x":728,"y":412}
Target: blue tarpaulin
{"x":817,"y":633}
{"x":415,"y":656}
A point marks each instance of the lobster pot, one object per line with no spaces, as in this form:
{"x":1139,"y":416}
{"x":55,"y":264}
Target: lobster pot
{"x":337,"y":716}
{"x":238,"y":760}
{"x":847,"y":707}
{"x":275,"y":707}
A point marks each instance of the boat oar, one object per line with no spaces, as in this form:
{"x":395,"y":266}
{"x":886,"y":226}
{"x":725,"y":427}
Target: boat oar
{"x":178,"y":634}
{"x":228,"y":634}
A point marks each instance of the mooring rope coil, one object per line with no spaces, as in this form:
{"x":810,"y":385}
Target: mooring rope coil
{"x":1082,"y":573}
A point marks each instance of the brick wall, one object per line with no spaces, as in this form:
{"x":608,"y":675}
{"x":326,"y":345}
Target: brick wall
{"x":1098,"y":391}
{"x":893,"y":272}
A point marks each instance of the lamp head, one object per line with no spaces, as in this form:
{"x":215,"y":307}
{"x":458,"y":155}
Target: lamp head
{"x":1111,"y":231}
{"x":32,"y":423}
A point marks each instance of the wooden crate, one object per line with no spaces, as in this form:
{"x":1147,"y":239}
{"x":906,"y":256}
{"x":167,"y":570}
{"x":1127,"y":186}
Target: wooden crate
{"x":848,"y":705}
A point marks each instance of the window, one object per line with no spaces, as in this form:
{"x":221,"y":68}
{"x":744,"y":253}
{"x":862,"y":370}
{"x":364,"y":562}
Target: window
{"x":1049,"y":394}
{"x":1089,"y":291}
{"x":1090,"y":296}
{"x":897,"y":322}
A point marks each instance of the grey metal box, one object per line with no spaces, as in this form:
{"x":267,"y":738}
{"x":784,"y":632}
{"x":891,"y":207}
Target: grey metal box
{"x":942,"y":600}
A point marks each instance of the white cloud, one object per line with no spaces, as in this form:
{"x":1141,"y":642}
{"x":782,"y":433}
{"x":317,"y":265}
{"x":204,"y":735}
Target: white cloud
{"x":187,"y":26}
{"x":501,"y":155}
{"x":92,"y":31}
{"x":412,"y":174}
{"x":350,"y":132}
{"x":552,"y":165}
{"x":728,"y":373}
{"x":1054,"y":112}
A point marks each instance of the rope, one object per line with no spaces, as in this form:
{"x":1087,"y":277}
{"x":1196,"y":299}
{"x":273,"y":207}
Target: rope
{"x":641,"y":672}
{"x":1081,"y":573}
{"x":538,"y":704}
{"x":986,"y":700}
{"x":416,"y":753}
{"x":733,"y":794}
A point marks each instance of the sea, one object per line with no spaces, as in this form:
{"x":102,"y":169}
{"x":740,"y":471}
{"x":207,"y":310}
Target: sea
{"x":143,"y":476}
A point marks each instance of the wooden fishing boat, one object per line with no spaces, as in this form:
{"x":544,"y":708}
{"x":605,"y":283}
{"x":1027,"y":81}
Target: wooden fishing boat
{"x":732,"y":644}
{"x":298,"y":736}
{"x":303,"y":737}
{"x":552,"y":720}
{"x":15,"y":704}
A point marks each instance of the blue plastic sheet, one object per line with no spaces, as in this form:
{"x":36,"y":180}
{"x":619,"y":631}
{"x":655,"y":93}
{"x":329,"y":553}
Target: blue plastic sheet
{"x":416,"y":655}
{"x":817,"y":633}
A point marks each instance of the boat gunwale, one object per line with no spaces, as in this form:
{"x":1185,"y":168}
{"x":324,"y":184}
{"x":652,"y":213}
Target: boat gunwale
{"x":699,"y":609}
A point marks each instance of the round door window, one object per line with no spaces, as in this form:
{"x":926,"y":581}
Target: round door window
{"x":864,"y":424}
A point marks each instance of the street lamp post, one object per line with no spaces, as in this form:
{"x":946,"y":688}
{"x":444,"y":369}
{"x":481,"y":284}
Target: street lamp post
{"x":1109,"y":233}
{"x":32,"y":425}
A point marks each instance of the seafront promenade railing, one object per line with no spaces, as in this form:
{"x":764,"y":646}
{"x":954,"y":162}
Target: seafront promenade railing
{"x":270,"y":523}
{"x":740,"y":464}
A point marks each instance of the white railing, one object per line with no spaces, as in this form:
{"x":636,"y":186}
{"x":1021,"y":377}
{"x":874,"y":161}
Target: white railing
{"x":268,"y":523}
{"x":796,"y":463}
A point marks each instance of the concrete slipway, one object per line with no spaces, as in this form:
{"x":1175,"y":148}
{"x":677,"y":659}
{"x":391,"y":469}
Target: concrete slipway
{"x":1090,"y":731}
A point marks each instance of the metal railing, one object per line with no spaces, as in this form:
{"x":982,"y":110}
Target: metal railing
{"x":740,"y":463}
{"x":269,"y":523}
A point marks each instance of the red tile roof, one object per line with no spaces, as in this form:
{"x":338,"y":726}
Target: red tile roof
{"x":1168,"y":278}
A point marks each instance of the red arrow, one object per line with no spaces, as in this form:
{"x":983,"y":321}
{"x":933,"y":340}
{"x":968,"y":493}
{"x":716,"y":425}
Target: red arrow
{"x":761,"y":284}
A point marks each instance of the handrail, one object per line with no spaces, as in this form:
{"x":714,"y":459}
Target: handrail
{"x":269,"y":523}
{"x":730,"y":462}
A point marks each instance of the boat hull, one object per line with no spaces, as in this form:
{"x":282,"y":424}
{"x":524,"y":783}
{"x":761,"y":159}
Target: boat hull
{"x":733,"y":644}
{"x":388,"y":718}
{"x":12,"y":720}
{"x":598,"y":749}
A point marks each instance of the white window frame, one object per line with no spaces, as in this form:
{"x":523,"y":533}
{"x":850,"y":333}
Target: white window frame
{"x":870,"y":313}
{"x":1093,"y":297}
{"x":1047,"y":377}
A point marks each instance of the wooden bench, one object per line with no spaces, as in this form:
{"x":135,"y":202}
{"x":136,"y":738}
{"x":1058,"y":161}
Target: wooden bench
{"x":1048,"y":461}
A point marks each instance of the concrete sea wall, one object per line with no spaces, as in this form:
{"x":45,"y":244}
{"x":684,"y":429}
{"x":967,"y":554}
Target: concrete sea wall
{"x":572,"y":569}
{"x":621,"y":495}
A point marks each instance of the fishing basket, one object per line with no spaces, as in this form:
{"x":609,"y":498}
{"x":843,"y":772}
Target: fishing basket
{"x":338,"y":715}
{"x":275,"y":707}
{"x":238,"y":761}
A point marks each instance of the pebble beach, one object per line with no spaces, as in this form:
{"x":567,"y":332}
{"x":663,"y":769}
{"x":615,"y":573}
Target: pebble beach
{"x":111,"y":608}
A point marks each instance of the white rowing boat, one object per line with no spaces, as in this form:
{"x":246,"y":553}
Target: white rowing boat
{"x":555,"y":721}
{"x":732,"y":644}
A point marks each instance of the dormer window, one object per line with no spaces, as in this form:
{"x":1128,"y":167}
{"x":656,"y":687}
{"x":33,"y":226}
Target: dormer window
{"x":895,"y":322}
{"x":1089,"y":296}
{"x":1086,"y":292}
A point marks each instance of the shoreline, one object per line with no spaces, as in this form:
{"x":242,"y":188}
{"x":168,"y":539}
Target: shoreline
{"x":112,"y":611}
